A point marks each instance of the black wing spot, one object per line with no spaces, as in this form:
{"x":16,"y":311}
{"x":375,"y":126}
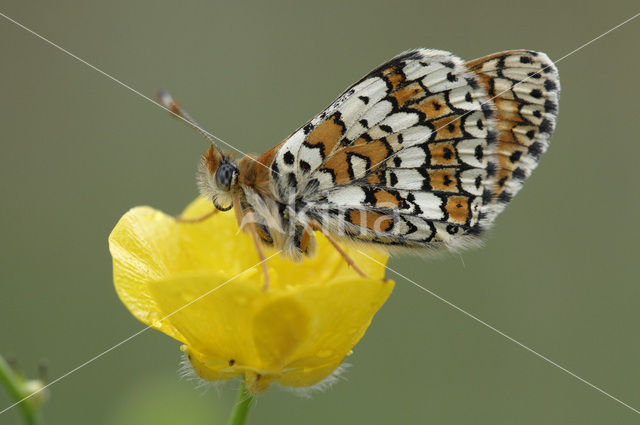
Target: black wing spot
{"x":478,"y":152}
{"x":289,"y":158}
{"x":550,"y":85}
{"x":518,"y":174}
{"x":451,"y":77}
{"x":491,"y":169}
{"x":307,"y":128}
{"x":505,"y":197}
{"x":365,"y":99}
{"x":550,"y":106}
{"x":487,"y":195}
{"x":304,"y":166}
{"x":478,"y":181}
{"x":386,"y":128}
{"x":486,"y":110}
{"x":393,"y":179}
{"x":515,"y":156}
{"x":546,"y":126}
{"x":525,"y":59}
{"x":491,"y":137}
{"x":536,"y":93}
{"x":535,"y":149}
{"x":472,"y":83}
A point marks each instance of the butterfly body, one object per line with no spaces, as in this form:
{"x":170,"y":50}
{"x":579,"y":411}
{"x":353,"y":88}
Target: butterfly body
{"x":420,"y":154}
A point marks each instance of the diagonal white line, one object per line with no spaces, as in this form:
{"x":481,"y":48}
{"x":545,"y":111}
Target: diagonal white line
{"x":114,"y":79}
{"x":399,"y":274}
{"x":516,"y":84}
{"x":498,"y":331}
{"x":91,"y":360}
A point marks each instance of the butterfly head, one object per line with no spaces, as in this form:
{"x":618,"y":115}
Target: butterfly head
{"x":218,"y":178}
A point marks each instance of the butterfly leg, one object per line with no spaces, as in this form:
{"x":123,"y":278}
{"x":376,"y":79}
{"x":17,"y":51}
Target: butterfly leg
{"x":316,"y":226}
{"x":182,"y":219}
{"x":251,"y":226}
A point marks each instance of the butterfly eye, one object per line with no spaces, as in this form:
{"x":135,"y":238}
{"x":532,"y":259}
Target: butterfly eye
{"x":225,"y":175}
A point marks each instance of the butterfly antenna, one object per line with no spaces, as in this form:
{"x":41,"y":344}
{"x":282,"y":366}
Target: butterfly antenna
{"x":172,"y":106}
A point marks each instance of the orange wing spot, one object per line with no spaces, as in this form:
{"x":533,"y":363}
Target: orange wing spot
{"x":374,"y":179}
{"x":433,"y":107}
{"x":458,"y":209}
{"x":506,"y":137}
{"x":371,"y":220}
{"x":375,"y":151}
{"x":442,"y":153}
{"x":339,"y":166}
{"x":327,"y":134}
{"x":508,"y":110}
{"x":485,"y":81}
{"x":509,"y":155}
{"x":385,"y":199}
{"x":448,"y":128}
{"x":408,"y":93}
{"x":502,"y":178}
{"x":443,"y":179}
{"x":392,"y":76}
{"x":525,"y":134}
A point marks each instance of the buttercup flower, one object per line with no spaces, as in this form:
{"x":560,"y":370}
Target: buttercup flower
{"x":295,"y":333}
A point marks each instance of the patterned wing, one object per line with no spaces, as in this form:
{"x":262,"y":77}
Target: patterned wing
{"x":524,"y":88}
{"x":412,"y":154}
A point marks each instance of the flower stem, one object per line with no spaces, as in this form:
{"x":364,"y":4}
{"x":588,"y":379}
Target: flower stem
{"x":242,"y":407}
{"x":15,"y":387}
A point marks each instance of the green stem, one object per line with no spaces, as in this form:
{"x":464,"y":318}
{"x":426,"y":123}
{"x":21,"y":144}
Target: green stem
{"x":15,"y":386}
{"x":242,"y":407}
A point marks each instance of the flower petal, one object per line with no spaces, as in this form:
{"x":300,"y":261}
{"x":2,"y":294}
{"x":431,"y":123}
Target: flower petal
{"x":137,"y":259}
{"x":198,"y":282}
{"x":341,"y":311}
{"x":279,"y":328}
{"x":213,"y":313}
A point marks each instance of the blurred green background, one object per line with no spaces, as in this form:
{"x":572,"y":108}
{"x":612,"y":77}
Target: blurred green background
{"x":558,"y":273}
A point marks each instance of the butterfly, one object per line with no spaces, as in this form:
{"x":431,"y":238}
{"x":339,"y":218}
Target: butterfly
{"x":419,"y":155}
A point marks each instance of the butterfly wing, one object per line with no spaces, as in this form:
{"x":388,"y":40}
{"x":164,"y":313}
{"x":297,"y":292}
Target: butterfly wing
{"x":524,"y":88}
{"x":421,"y":152}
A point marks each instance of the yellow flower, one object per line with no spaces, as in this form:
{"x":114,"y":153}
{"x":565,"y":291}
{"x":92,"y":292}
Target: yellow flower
{"x":296,"y":333}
